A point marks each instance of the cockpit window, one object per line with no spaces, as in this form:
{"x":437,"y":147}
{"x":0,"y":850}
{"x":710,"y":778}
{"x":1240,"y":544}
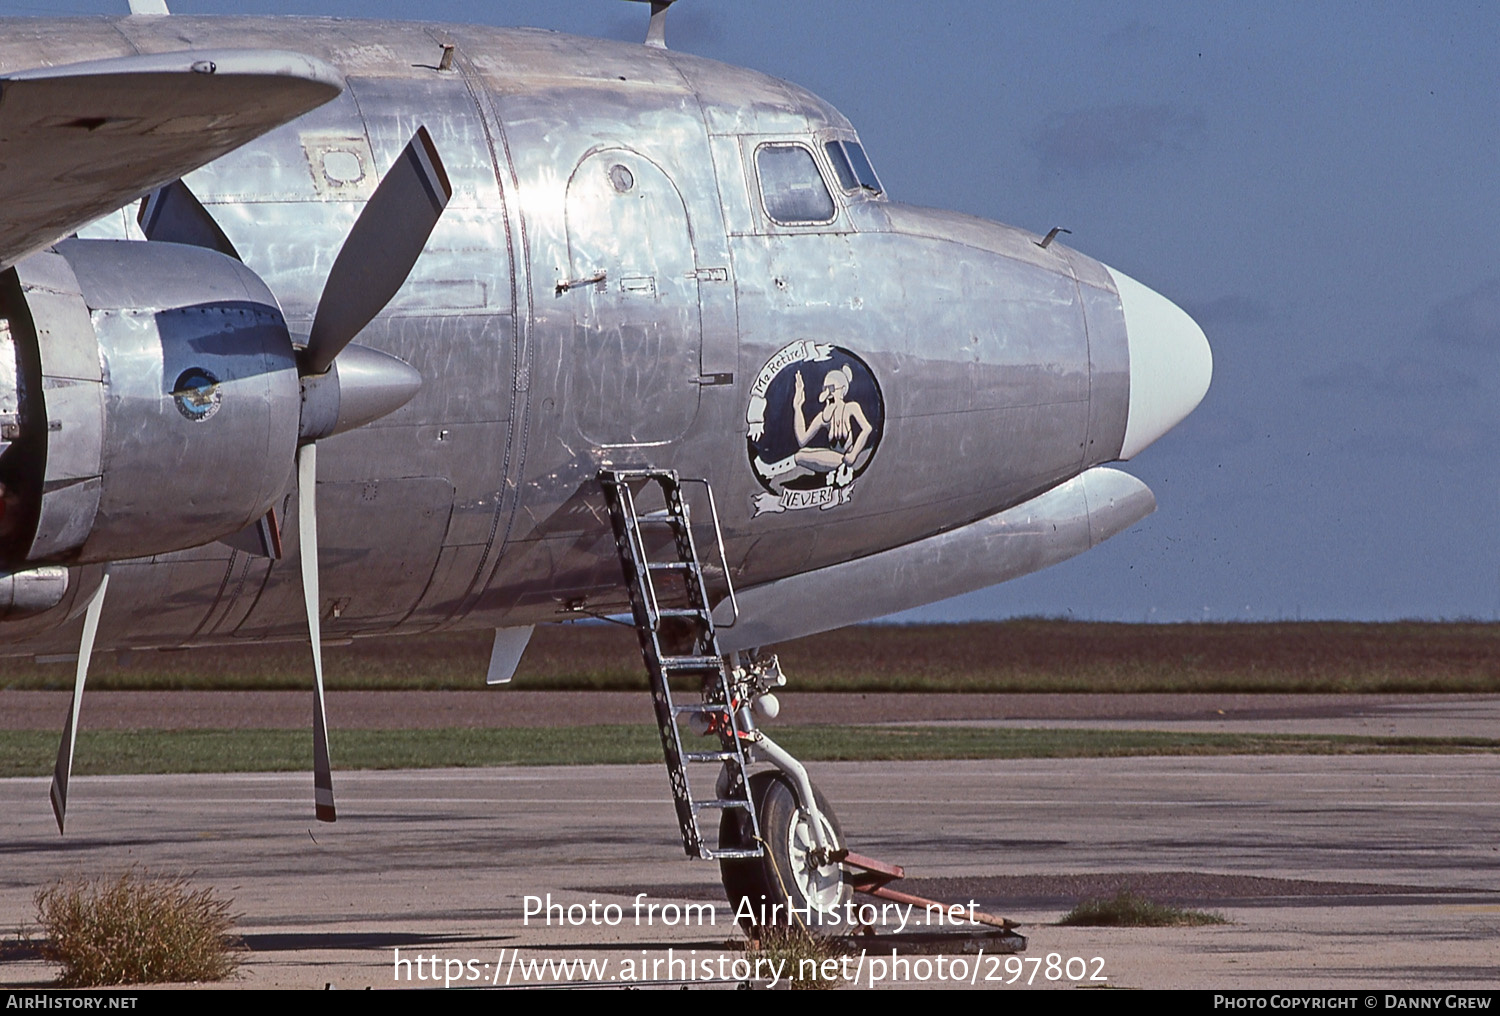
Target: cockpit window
{"x":841,"y":165}
{"x":853,"y":169}
{"x":791,"y":186}
{"x":862,"y":168}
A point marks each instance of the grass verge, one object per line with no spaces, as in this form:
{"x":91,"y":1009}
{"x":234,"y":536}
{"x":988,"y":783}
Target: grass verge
{"x":31,"y":753}
{"x":135,"y":929}
{"x":1022,"y":655}
{"x":1127,"y":909}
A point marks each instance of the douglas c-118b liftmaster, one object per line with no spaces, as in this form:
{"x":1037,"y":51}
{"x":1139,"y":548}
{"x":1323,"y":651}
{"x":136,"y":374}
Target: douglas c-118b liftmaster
{"x":514,"y":316}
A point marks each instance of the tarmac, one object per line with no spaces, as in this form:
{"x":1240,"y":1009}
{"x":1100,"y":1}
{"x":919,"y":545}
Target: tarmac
{"x":1355,"y":873}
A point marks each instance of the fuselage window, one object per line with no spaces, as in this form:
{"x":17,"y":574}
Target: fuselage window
{"x":853,"y":169}
{"x":791,"y":187}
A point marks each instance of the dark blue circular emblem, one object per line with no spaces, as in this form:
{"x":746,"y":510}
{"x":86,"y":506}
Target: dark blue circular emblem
{"x":196,"y":394}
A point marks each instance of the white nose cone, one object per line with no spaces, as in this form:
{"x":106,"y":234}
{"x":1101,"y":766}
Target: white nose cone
{"x":1170,"y":363}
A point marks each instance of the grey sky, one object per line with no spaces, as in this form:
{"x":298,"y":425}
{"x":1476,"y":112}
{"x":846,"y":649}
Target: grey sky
{"x":1316,"y":183}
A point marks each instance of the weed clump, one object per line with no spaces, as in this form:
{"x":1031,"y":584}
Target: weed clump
{"x":1127,"y":909}
{"x":136,"y":929}
{"x":799,"y":954}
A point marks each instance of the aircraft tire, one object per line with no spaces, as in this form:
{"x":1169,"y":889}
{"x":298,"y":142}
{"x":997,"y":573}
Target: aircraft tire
{"x":781,"y":888}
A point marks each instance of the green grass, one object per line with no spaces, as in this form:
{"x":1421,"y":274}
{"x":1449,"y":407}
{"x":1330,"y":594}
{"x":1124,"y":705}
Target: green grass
{"x":31,"y":753}
{"x":1127,"y":909}
{"x":1026,"y":655}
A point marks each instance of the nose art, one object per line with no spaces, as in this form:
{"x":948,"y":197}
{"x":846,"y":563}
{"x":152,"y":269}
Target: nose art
{"x":1170,"y":363}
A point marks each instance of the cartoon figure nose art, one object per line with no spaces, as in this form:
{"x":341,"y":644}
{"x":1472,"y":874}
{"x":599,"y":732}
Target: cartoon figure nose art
{"x":808,"y":456}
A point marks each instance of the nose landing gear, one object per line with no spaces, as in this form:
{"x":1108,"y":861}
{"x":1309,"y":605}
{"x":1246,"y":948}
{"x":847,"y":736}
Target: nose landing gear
{"x":781,"y":852}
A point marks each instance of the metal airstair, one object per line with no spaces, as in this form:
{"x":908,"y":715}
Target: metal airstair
{"x":674,"y":621}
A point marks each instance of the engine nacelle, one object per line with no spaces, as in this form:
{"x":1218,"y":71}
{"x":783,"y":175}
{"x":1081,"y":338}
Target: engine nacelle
{"x":149,"y":401}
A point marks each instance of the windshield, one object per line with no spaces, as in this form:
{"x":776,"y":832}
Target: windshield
{"x":853,"y":168}
{"x":862,"y":168}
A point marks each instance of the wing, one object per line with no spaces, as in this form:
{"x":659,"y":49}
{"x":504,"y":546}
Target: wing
{"x":81,"y":140}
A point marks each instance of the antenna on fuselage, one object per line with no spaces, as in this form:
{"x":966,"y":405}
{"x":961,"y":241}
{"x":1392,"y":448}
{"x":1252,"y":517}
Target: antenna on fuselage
{"x":656,"y":32}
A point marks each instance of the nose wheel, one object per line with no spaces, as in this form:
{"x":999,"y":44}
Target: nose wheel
{"x":793,"y":883}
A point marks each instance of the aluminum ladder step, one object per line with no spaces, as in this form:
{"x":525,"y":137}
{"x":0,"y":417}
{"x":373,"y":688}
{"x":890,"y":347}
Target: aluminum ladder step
{"x":707,"y":756}
{"x":691,"y":663}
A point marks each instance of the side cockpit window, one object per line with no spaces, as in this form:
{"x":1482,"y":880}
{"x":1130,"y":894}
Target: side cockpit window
{"x":853,"y":168}
{"x":791,"y":188}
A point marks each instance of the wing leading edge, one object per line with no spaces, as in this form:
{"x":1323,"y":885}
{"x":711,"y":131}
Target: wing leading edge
{"x":80,"y":140}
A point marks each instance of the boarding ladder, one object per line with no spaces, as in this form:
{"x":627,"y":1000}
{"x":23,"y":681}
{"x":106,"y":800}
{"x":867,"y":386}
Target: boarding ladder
{"x":669,"y":603}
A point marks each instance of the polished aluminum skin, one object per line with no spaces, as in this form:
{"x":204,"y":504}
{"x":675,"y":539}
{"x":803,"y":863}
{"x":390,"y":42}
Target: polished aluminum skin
{"x":648,"y":259}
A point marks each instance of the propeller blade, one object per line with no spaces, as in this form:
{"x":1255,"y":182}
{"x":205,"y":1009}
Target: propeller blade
{"x":64,"y":767}
{"x":307,"y":522}
{"x":173,"y":214}
{"x":380,"y":250}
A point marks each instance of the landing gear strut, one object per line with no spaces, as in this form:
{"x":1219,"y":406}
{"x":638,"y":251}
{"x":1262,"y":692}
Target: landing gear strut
{"x":797,"y":880}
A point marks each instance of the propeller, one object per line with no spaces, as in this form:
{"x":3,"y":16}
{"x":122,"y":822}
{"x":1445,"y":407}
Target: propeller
{"x":378,"y":254}
{"x":64,"y":767}
{"x":375,"y":260}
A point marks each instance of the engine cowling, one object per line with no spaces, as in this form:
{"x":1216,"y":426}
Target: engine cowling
{"x":149,"y":399}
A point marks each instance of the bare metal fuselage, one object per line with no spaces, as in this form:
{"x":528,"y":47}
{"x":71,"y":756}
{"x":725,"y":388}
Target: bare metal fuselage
{"x":1003,"y":368}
